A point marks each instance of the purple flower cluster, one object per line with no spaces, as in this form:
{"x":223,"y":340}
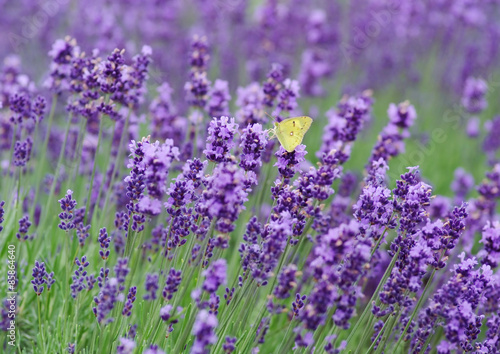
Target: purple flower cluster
{"x":344,"y":124}
{"x":204,"y":332}
{"x":165,"y":122}
{"x":198,"y":86}
{"x":391,"y":140}
{"x":104,"y":241}
{"x":151,"y":286}
{"x":456,"y":303}
{"x":221,"y":132}
{"x":106,"y":300}
{"x":171,"y":284}
{"x":215,"y":276}
{"x":80,"y":276}
{"x":286,"y":282}
{"x":127,"y":307}
{"x":253,"y":142}
{"x":287,"y":99}
{"x":22,"y":152}
{"x":251,"y":107}
{"x":2,"y":212}
{"x":68,"y":204}
{"x":288,"y":162}
{"x":40,"y":277}
{"x":218,"y":104}
{"x":474,"y":95}
{"x":24,"y":225}
{"x":150,"y":164}
{"x":224,"y":197}
{"x":272,"y":87}
{"x":490,"y":254}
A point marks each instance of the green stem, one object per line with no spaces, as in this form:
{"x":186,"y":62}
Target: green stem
{"x":115,"y":166}
{"x":40,"y":322}
{"x":393,"y":320}
{"x":44,"y":148}
{"x":428,"y":340}
{"x":416,"y":309}
{"x":79,"y":146}
{"x":18,"y":201}
{"x":283,"y":340}
{"x":89,"y":195}
{"x":56,"y":175}
{"x":376,"y":338}
{"x":375,"y":294}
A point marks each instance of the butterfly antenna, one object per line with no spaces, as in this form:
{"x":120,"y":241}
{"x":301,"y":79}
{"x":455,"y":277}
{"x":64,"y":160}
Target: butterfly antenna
{"x":270,"y":116}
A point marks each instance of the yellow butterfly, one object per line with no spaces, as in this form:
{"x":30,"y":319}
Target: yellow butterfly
{"x":291,"y":131}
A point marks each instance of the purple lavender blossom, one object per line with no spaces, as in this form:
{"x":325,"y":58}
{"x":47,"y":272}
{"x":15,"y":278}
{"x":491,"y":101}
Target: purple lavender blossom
{"x":104,"y":241}
{"x":82,"y":232}
{"x":181,"y":193}
{"x":286,"y":281}
{"x":462,"y":184}
{"x":287,"y":99}
{"x":126,"y":346}
{"x":102,"y":277}
{"x":391,"y":140}
{"x":22,"y":152}
{"x":403,"y":115}
{"x":473,"y":128}
{"x":150,"y":163}
{"x":264,"y":259}
{"x":224,"y":197}
{"x":204,"y":332}
{"x":344,"y":124}
{"x":106,"y":300}
{"x":456,"y":302}
{"x":121,"y":269}
{"x":127,"y":308}
{"x":215,"y":276}
{"x":491,"y":144}
{"x":2,"y":212}
{"x":24,"y":225}
{"x":229,"y":345}
{"x":79,"y":276}
{"x":490,"y":254}
{"x":218,"y":104}
{"x":153,"y":349}
{"x":474,"y":95}
{"x":250,"y":99}
{"x":165,"y":122}
{"x":165,"y":312}
{"x":298,"y":304}
{"x":40,"y":277}
{"x":171,"y":284}
{"x":253,"y":142}
{"x":151,"y":285}
{"x":68,"y":204}
{"x":220,"y":139}
{"x":273,"y":84}
{"x":288,"y":161}
{"x":198,"y":86}
{"x":62,"y":53}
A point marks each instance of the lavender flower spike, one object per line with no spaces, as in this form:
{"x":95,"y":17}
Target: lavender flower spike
{"x":204,"y":332}
{"x":68,"y":204}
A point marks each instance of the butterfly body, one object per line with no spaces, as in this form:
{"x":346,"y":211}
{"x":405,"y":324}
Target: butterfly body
{"x":291,"y":131}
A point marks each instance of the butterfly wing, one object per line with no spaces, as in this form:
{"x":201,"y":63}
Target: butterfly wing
{"x":291,"y":131}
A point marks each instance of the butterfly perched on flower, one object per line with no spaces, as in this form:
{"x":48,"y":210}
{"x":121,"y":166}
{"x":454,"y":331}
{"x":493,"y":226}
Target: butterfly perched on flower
{"x":291,"y":131}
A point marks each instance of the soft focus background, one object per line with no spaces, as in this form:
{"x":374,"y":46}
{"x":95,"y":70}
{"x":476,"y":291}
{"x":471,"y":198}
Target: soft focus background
{"x":422,"y":51}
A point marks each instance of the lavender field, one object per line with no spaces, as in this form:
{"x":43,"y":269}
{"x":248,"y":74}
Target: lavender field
{"x":154,"y":198}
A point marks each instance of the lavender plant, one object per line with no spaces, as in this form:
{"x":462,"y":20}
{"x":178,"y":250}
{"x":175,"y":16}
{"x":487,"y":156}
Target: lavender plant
{"x":145,"y":209}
